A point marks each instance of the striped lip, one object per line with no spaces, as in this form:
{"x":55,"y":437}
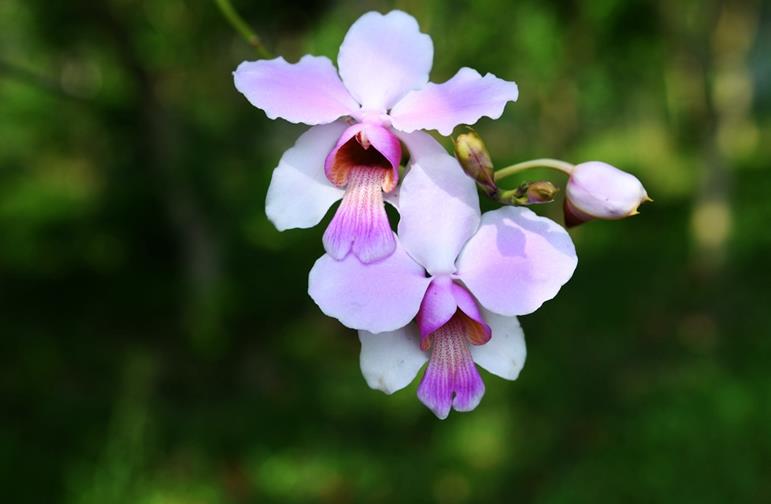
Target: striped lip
{"x":360,"y":224}
{"x":451,"y":380}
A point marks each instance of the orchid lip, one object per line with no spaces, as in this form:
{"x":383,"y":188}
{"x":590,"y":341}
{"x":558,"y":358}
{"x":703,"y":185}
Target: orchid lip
{"x":451,"y":380}
{"x":360,"y":224}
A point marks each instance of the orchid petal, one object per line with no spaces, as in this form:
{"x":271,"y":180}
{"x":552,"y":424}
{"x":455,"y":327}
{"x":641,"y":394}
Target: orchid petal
{"x":504,"y":354}
{"x":516,"y":261}
{"x":376,"y":297}
{"x":390,"y":361}
{"x":438,"y":204}
{"x":463,"y":99}
{"x":308,"y":91}
{"x":383,"y":57}
{"x":300,"y":194}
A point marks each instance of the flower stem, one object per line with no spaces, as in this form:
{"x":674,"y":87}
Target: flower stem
{"x":554,"y":164}
{"x":238,"y":23}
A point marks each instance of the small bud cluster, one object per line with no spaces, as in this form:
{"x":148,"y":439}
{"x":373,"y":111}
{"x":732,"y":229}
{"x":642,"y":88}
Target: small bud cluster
{"x":530,"y":193}
{"x":595,"y":190}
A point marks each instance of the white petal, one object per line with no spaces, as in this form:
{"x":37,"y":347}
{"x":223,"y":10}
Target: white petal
{"x":504,"y":355}
{"x":391,"y":360}
{"x":438,"y":205}
{"x":308,"y":91}
{"x":464,"y":99}
{"x":300,"y":194}
{"x":516,"y":261}
{"x":376,"y":297}
{"x":383,"y":57}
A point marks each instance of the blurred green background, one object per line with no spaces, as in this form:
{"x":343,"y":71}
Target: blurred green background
{"x":158,"y":344}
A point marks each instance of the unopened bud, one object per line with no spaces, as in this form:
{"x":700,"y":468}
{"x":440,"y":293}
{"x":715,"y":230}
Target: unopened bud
{"x":597,"y":190}
{"x":475,"y":160}
{"x":541,"y":191}
{"x":530,"y":193}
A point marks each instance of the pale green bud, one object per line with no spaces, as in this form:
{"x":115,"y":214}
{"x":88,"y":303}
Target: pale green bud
{"x":475,"y":160}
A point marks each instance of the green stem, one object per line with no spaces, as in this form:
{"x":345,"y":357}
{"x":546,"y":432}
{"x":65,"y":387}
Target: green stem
{"x":238,"y":23}
{"x":554,"y":164}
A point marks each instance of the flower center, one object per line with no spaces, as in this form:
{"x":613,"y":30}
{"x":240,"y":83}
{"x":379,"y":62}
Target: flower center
{"x":451,"y":379}
{"x":444,"y":300}
{"x":358,"y":152}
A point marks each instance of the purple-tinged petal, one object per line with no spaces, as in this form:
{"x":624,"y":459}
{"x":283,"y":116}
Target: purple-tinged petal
{"x":463,"y":99}
{"x":479,"y":331}
{"x":299,"y":194}
{"x":383,"y":57}
{"x":377,"y":297}
{"x":451,"y":379}
{"x":438,"y":205}
{"x":308,"y":91}
{"x":516,"y":261}
{"x":364,"y":144}
{"x":390,"y":361}
{"x":436,"y":309}
{"x":360,"y":224}
{"x":504,"y":355}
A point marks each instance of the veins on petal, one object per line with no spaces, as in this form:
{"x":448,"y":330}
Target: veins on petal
{"x":451,"y":379}
{"x":360,"y":224}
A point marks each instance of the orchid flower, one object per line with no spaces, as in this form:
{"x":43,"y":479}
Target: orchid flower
{"x":450,"y":293}
{"x":352,"y":151}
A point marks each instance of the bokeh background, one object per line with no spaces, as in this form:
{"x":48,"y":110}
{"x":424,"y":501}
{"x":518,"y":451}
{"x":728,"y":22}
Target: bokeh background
{"x":158,"y":344}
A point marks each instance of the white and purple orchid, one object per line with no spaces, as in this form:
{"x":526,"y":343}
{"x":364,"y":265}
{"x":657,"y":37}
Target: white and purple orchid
{"x":446,"y":291}
{"x":353,"y":150}
{"x":450,"y":293}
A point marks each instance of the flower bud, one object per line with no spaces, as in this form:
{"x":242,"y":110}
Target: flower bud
{"x":597,"y":190}
{"x":541,"y":191}
{"x":475,"y":160}
{"x":530,"y":193}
